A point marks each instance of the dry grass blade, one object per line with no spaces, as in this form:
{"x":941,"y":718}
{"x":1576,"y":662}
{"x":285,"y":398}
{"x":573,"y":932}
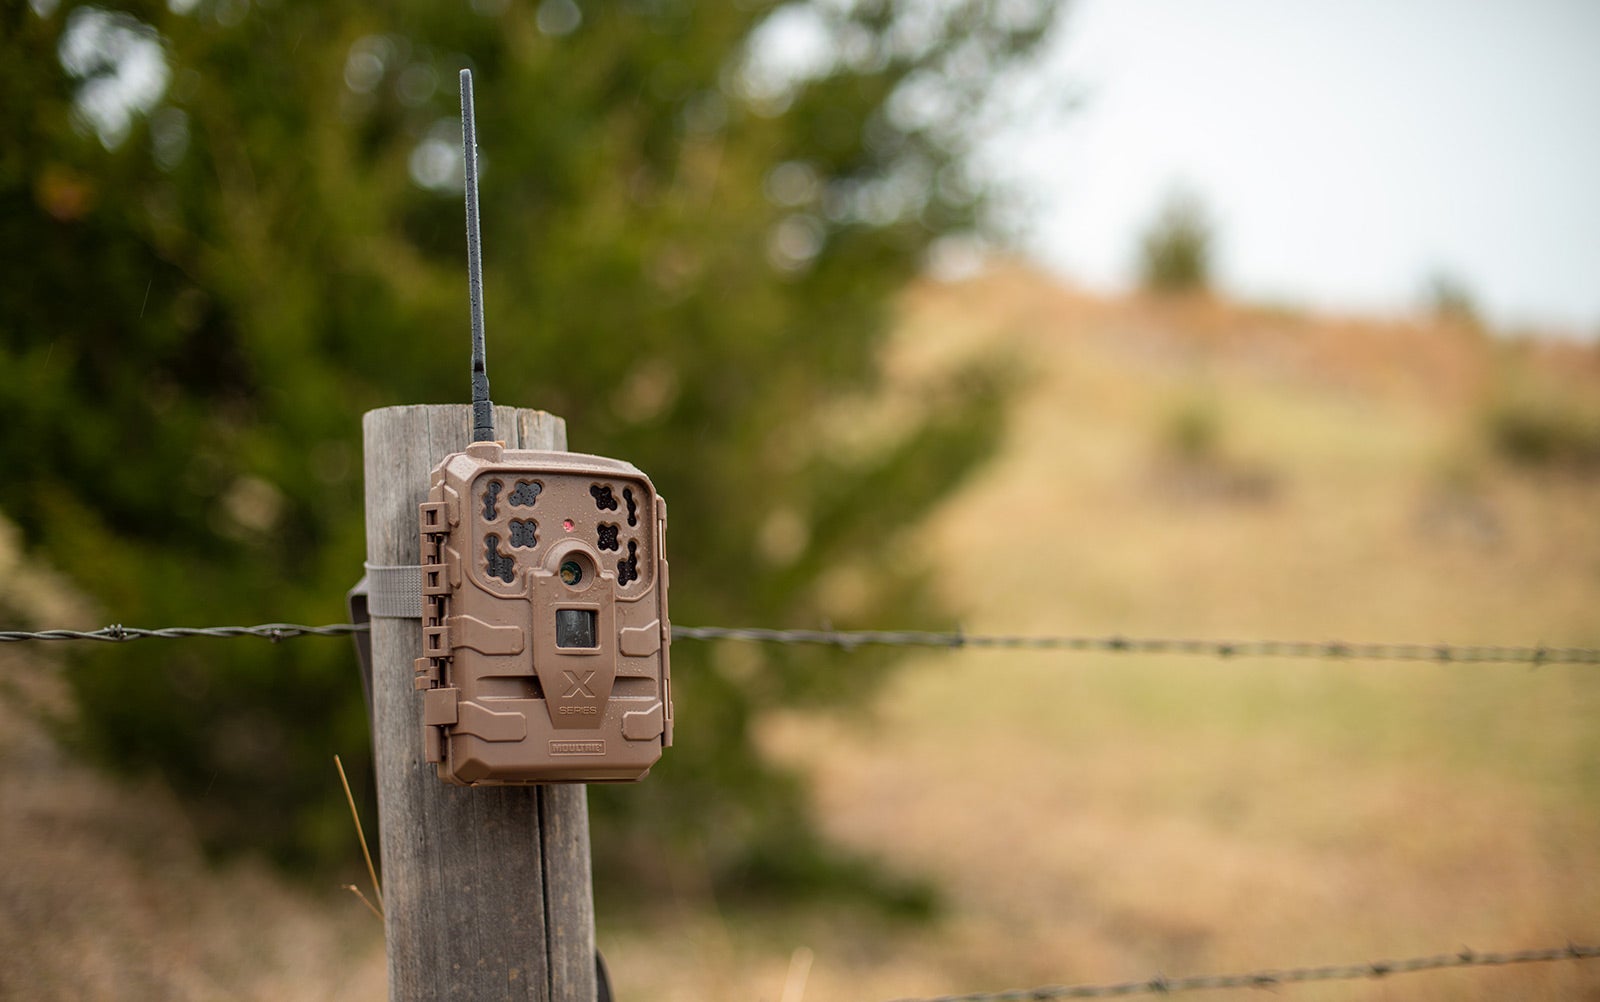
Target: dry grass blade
{"x":353,"y":889}
{"x":362,"y":836}
{"x":794,"y":983}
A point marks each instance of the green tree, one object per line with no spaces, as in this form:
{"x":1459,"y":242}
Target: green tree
{"x":1447,"y":297}
{"x":230,"y":229}
{"x":1175,"y":251}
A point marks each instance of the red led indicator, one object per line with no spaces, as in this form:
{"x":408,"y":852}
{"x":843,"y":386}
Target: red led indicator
{"x":567,"y":525}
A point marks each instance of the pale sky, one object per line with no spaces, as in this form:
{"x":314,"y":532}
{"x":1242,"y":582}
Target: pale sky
{"x":1347,"y":150}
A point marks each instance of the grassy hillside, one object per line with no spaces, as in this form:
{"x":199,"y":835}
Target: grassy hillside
{"x":1172,"y":467}
{"x":1197,"y":468}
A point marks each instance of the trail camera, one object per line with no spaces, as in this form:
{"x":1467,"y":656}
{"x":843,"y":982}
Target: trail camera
{"x":544,"y":590}
{"x":545,"y":635}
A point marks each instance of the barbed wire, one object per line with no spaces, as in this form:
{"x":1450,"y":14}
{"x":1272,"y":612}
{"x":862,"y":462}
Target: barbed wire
{"x":851,"y":639}
{"x":848,"y":640}
{"x":118,"y":633}
{"x":1160,"y":985}
{"x":1448,"y":653}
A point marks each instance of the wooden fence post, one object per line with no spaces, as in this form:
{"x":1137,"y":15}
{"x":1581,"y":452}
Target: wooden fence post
{"x":487,"y":892}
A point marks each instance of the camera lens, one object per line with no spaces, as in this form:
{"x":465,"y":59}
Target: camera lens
{"x":571,"y":572}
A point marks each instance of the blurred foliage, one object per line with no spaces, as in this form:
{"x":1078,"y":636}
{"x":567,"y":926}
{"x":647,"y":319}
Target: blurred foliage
{"x":1192,"y":429}
{"x":1449,"y":298}
{"x":1536,"y":419}
{"x":230,"y":229}
{"x":1175,"y":250}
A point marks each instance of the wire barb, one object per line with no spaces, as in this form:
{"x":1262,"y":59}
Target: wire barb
{"x":1162,"y":985}
{"x":482,"y":406}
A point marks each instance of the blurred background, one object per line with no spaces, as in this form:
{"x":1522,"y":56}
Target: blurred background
{"x":1147,"y":318}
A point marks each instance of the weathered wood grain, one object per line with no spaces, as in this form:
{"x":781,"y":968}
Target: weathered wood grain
{"x":487,"y":892}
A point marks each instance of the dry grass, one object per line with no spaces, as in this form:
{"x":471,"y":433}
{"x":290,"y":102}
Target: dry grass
{"x":1105,"y":818}
{"x":106,"y":895}
{"x":1087,"y":818}
{"x":103,"y":891}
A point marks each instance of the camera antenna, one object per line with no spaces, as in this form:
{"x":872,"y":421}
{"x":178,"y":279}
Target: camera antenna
{"x":482,"y":406}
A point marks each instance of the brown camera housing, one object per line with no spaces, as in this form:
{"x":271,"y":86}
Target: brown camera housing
{"x":545,"y":631}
